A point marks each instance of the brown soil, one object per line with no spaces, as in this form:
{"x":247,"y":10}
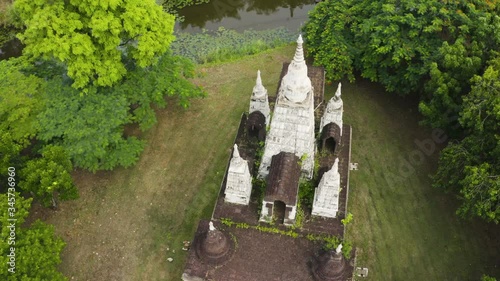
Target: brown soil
{"x":261,"y":256}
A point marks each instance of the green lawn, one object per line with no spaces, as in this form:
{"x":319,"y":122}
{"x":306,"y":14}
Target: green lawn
{"x":404,"y":228}
{"x":129,"y":221}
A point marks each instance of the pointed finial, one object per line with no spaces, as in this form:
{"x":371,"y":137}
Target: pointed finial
{"x":258,"y":82}
{"x":258,"y":89}
{"x":299,"y":40}
{"x":339,"y":249}
{"x":299,"y":53}
{"x":338,"y":92}
{"x":211,"y":226}
{"x":236,"y":153}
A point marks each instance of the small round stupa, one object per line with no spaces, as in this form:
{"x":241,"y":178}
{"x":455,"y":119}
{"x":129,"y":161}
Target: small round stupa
{"x":331,"y":266}
{"x":214,"y":246}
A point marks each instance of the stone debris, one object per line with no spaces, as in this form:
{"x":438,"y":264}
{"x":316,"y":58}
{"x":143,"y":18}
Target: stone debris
{"x":353,"y":166}
{"x":170,"y":259}
{"x":187,"y":245}
{"x":361,"y":272}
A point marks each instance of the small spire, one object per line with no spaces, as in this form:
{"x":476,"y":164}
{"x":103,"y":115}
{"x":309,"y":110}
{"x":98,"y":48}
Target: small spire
{"x":299,"y":52}
{"x":338,"y":92}
{"x":236,"y":153}
{"x":258,"y":89}
{"x":258,"y":82}
{"x":339,"y":249}
{"x":299,"y":40}
{"x":335,"y":166}
{"x":211,"y":226}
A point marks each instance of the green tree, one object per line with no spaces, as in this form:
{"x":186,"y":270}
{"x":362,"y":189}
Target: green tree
{"x":428,"y":47}
{"x":472,"y":166}
{"x":9,"y":152}
{"x":384,"y":41}
{"x":20,"y":101}
{"x":171,"y":6}
{"x":94,"y":39}
{"x":37,"y":248}
{"x":469,"y":42}
{"x":148,"y":87}
{"x":48,"y":178}
{"x":89,"y":127}
{"x":434,"y":49}
{"x":488,"y":278}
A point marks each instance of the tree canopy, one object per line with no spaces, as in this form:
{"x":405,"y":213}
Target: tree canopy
{"x":89,"y":69}
{"x":472,"y":166}
{"x":91,"y":127}
{"x":429,"y":47}
{"x":438,"y":50}
{"x":48,"y":177}
{"x":91,"y":37}
{"x":37,"y":248}
{"x":118,"y":52}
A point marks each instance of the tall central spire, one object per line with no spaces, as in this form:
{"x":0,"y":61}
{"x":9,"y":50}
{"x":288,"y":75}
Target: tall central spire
{"x":299,"y":52}
{"x":296,"y":84}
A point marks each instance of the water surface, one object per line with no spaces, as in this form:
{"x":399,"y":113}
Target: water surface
{"x":245,"y":14}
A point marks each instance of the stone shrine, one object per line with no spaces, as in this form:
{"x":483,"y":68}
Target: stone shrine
{"x":331,"y":123}
{"x":239,"y":180}
{"x":259,"y":102}
{"x":326,"y":196}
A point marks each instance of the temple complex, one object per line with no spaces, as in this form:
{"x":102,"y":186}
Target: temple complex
{"x":275,"y":153}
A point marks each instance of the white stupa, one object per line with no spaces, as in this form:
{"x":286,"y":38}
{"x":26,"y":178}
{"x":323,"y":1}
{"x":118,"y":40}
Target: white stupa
{"x":326,"y":196}
{"x":239,"y":180}
{"x":292,"y":124}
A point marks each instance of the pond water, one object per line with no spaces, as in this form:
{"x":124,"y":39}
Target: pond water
{"x":241,"y":15}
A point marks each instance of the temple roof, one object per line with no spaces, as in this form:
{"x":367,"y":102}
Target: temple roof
{"x":283,"y":178}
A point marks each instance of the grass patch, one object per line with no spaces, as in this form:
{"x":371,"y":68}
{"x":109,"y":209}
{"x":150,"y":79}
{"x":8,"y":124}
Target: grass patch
{"x":405,"y":229}
{"x":129,"y":221}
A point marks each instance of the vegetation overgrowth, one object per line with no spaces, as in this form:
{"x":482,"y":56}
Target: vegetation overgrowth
{"x":444,"y":52}
{"x":90,"y":73}
{"x":226,"y":44}
{"x":329,"y":242}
